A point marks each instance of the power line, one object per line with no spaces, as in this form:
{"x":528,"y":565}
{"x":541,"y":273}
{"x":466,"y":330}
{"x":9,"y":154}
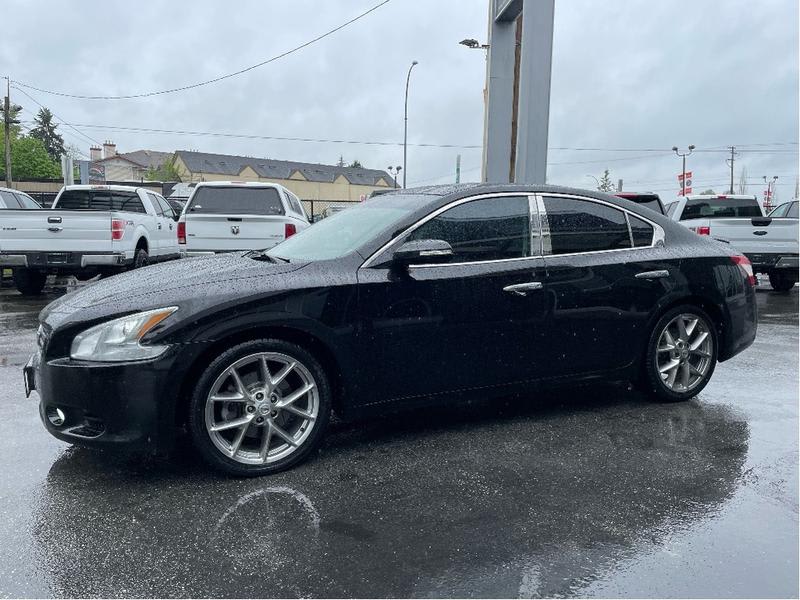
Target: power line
{"x":62,"y":121}
{"x":209,"y":81}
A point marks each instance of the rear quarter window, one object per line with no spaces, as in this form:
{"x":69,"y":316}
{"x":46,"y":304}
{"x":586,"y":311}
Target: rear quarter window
{"x":100,"y":200}
{"x":214,"y":200}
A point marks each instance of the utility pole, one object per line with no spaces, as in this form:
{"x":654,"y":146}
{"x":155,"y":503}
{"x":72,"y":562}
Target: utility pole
{"x":7,"y":130}
{"x":730,"y":164}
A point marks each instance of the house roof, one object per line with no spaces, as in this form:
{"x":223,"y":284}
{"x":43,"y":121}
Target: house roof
{"x":225,"y":164}
{"x":147,"y":159}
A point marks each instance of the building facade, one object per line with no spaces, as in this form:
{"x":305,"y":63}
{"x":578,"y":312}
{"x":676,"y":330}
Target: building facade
{"x":309,"y":181}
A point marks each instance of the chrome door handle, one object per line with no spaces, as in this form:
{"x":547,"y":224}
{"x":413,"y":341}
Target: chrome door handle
{"x":661,"y":274}
{"x":522,"y":289}
{"x":159,"y":225}
{"x":55,"y":229}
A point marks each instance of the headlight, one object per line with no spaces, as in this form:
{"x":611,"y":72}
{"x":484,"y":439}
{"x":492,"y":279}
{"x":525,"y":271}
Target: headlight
{"x":118,"y":340}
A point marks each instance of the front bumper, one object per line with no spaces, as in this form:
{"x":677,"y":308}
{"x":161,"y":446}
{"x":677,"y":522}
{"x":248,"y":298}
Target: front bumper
{"x":128,"y":405}
{"x":61,"y":260}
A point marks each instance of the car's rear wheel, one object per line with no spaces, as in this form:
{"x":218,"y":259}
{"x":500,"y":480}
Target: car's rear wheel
{"x":260,"y":407}
{"x":681,"y":354}
{"x":782,"y":281}
{"x":29,"y":282}
{"x":141,"y":258}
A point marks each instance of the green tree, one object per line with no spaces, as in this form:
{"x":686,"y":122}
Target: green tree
{"x":710,"y":192}
{"x":167,"y":171}
{"x":30,"y":160}
{"x":605,"y":183}
{"x":45,"y":131}
{"x":355,"y":164}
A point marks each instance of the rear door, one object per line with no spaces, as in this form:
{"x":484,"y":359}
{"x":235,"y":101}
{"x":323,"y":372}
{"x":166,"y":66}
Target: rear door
{"x":229,"y":218}
{"x":170,"y":241}
{"x":604,"y":280}
{"x":162,"y":233}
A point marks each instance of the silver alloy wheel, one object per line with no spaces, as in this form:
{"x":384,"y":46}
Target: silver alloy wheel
{"x":262,"y":408}
{"x":684,"y":352}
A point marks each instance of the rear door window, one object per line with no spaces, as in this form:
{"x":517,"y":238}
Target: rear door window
{"x":27,"y":202}
{"x":484,"y":229}
{"x":584,"y":226}
{"x":216,"y":200}
{"x":641,"y":231}
{"x":10,"y":200}
{"x":718,"y":208}
{"x":792,"y":213}
{"x":100,"y":200}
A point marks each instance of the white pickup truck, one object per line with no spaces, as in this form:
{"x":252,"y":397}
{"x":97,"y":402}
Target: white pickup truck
{"x":770,"y":243}
{"x":231,"y":216}
{"x":90,"y":230}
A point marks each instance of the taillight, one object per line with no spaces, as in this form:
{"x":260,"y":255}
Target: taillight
{"x":289,"y":229}
{"x":181,"y":232}
{"x":746,"y":266}
{"x":703,"y":230}
{"x":117,"y":229}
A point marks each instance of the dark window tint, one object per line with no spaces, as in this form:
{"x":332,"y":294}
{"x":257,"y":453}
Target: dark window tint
{"x":10,"y":200}
{"x":27,"y":201}
{"x":236,"y":201}
{"x":487,"y":229}
{"x":584,"y":226}
{"x":716,"y":208}
{"x":671,"y":208}
{"x":100,"y":200}
{"x":642,"y":231}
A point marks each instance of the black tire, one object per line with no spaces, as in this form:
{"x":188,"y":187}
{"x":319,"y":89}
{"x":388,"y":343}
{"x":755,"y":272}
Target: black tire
{"x":29,"y":282}
{"x":653,"y":382}
{"x":141,"y":258}
{"x":196,"y":418}
{"x":782,"y":281}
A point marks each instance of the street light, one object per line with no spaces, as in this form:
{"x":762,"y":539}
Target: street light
{"x":683,"y":155}
{"x":474,"y":44}
{"x":405,"y":125}
{"x":394,"y":172}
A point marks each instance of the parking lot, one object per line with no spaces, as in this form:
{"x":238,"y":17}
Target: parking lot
{"x":586,"y":492}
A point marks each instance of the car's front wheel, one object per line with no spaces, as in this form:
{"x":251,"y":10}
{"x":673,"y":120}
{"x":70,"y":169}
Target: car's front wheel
{"x":260,"y":407}
{"x":681,"y":354}
{"x":782,"y":281}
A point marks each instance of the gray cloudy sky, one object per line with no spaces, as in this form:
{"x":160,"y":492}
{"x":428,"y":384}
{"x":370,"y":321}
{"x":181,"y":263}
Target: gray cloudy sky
{"x":627,"y":74}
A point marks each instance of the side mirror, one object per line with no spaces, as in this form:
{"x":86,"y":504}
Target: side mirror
{"x":422,"y":252}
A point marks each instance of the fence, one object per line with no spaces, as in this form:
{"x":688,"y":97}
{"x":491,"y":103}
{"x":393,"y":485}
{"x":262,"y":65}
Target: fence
{"x":317,"y":209}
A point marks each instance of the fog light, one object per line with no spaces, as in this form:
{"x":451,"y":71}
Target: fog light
{"x":55,"y":416}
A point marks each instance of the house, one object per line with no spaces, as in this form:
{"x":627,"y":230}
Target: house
{"x":309,"y":181}
{"x":130,"y":166}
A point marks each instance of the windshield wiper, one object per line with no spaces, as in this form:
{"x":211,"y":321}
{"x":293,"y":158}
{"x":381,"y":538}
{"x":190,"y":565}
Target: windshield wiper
{"x":262,"y":255}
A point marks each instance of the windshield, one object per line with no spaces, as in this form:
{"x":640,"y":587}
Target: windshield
{"x":339,"y":234}
{"x":714,"y":208}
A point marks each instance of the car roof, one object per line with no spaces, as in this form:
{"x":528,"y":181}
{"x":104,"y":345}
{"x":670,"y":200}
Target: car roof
{"x":264,"y":184}
{"x":115,"y":188}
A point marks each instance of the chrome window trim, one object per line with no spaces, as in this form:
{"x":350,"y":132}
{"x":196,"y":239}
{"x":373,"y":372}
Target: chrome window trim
{"x":658,"y":231}
{"x":375,"y":255}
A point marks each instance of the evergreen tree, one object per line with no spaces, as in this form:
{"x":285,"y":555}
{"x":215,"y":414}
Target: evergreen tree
{"x":45,"y":131}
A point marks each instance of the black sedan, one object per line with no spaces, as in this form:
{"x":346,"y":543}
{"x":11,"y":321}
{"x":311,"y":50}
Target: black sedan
{"x":415,"y":297}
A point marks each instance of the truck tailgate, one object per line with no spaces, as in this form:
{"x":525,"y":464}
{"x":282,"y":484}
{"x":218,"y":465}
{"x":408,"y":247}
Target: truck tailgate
{"x":758,"y":235}
{"x":55,"y":231}
{"x":222,"y":233}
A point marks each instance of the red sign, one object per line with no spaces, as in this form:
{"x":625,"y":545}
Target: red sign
{"x":684,"y":191}
{"x":685,"y":181}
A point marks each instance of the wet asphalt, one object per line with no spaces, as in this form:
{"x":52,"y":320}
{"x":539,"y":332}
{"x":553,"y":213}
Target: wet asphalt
{"x":593,"y":491}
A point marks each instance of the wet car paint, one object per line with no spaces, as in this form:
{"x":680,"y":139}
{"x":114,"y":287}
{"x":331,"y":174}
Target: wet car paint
{"x":591,"y":491}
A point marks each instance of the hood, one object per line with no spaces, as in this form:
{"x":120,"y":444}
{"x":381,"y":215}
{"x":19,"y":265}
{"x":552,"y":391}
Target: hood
{"x":175,"y":283}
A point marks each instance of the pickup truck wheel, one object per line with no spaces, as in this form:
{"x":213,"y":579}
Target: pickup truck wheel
{"x":681,"y":354}
{"x":782,"y":281}
{"x":141,"y":259}
{"x":260,"y":407}
{"x":28,"y":282}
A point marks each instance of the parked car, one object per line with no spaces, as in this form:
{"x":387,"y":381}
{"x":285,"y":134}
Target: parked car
{"x":91,"y":229}
{"x":785,"y":210}
{"x":405,"y":300}
{"x":770,"y":244}
{"x":11,"y":199}
{"x":230,"y":216}
{"x":648,"y":199}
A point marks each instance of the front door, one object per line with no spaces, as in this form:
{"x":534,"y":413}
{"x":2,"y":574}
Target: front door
{"x":473,"y":322}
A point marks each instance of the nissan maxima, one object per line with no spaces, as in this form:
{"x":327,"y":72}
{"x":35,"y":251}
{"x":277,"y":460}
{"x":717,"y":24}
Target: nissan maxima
{"x":415,"y":297}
